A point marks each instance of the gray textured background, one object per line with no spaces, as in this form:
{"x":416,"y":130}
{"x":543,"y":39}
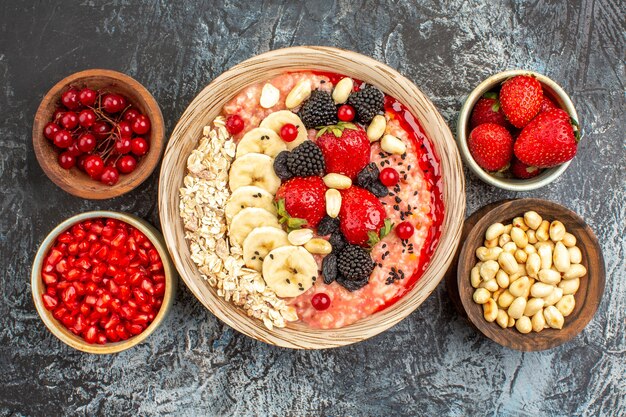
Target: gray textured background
{"x":432,"y":363}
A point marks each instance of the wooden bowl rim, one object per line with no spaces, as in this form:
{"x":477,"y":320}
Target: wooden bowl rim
{"x":492,"y":330}
{"x":58,"y":329}
{"x":306,"y":338}
{"x":147,"y":165}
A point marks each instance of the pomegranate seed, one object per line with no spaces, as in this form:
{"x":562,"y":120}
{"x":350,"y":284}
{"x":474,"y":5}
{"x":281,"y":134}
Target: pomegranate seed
{"x":119,"y":240}
{"x":135,"y":329}
{"x":68,"y":295}
{"x":101,"y":339}
{"x":111,"y":335}
{"x":85,"y":310}
{"x":49,"y":278}
{"x":140,"y":296}
{"x":59,"y":312}
{"x":51,"y":291}
{"x":49,"y":301}
{"x":113,"y":321}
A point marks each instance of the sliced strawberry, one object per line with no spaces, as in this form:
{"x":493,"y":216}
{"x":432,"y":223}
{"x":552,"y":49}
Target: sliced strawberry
{"x":521,"y":98}
{"x":488,"y":110}
{"x":303,"y":201}
{"x":491,"y":146}
{"x":522,"y":171}
{"x":346,"y":148}
{"x":361,"y":212}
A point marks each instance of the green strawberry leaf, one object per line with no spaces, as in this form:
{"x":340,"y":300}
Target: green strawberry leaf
{"x":292,"y":223}
{"x":491,"y":94}
{"x":336,"y":130}
{"x":373,"y":239}
{"x":386,"y":229}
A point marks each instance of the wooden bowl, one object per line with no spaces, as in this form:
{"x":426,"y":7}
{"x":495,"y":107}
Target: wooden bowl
{"x":208,"y":104}
{"x":552,"y":90}
{"x":57,"y":328}
{"x":75,"y":181}
{"x":587,"y":298}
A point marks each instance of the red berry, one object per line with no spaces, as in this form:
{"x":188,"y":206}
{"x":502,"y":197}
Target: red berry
{"x":389,"y":177}
{"x":101,"y":130}
{"x":346,"y":113}
{"x":234,"y":124}
{"x":491,"y":146}
{"x":141,"y":124}
{"x":125,"y":129}
{"x":69,"y":120}
{"x":63,"y":139}
{"x":50,"y":130}
{"x":113,"y":103}
{"x":320,"y":301}
{"x":87,"y":97}
{"x":70,"y":99}
{"x":304,"y":198}
{"x":361,"y":212}
{"x":405,"y":230}
{"x":130,"y":115}
{"x":109,"y":176}
{"x":122,"y":145}
{"x":73,"y":149}
{"x":488,"y":110}
{"x":547,"y":104}
{"x":86,"y":142}
{"x":347,"y":154}
{"x":523,"y":171}
{"x":139,"y":146}
{"x":521,"y":98}
{"x":94,"y":166}
{"x":126,"y":164}
{"x":87,"y":118}
{"x":289,"y":132}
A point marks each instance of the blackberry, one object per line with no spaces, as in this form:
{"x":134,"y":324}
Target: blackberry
{"x":306,"y":160}
{"x":318,"y":110}
{"x":280,"y":166}
{"x":367,"y":176}
{"x":352,"y":285}
{"x":329,"y":268}
{"x":354,"y":263}
{"x":368,"y":102}
{"x":327,"y":225}
{"x":337,"y":241}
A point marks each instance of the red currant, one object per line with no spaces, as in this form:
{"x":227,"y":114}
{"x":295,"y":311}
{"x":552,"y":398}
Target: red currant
{"x":234,"y":124}
{"x":130,"y":115}
{"x":122,"y":145}
{"x":141,"y":124}
{"x":113,"y":103}
{"x":101,"y":130}
{"x":66,"y":160}
{"x":87,"y":97}
{"x":109,"y":176}
{"x":86,"y":142}
{"x":74,"y":150}
{"x":94,"y":166}
{"x":69,"y":120}
{"x":320,"y":301}
{"x":404,"y":230}
{"x":289,"y":132}
{"x":346,"y":113}
{"x":389,"y":177}
{"x":139,"y":146}
{"x":70,"y":99}
{"x":126,"y":164}
{"x":50,"y":130}
{"x":87,"y":118}
{"x":63,"y":139}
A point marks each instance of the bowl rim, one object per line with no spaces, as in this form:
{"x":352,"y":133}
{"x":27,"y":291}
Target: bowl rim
{"x":150,"y":160}
{"x":511,"y":184}
{"x":453,"y":216}
{"x":57,"y":328}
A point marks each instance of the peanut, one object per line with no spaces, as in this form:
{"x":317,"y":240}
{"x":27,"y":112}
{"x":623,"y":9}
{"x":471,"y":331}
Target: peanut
{"x":520,"y":223}
{"x":510,"y":247}
{"x":560,"y":257}
{"x":575,"y":271}
{"x":532,"y":219}
{"x":318,"y":246}
{"x":502,"y":278}
{"x":519,"y":237}
{"x":533,"y":306}
{"x":549,"y":276}
{"x":530,"y":249}
{"x":533,"y":264}
{"x":337,"y":181}
{"x":541,"y":290}
{"x":494,"y":231}
{"x":575,"y":255}
{"x":300,"y":92}
{"x":300,"y":237}
{"x":569,"y":240}
{"x":523,"y":325}
{"x":490,"y":285}
{"x":521,"y":256}
{"x":507,"y":263}
{"x":489,"y":269}
{"x":532,"y":236}
{"x":519,"y":287}
{"x":342,"y":90}
{"x":553,"y":297}
{"x":511,"y":322}
{"x":569,"y":286}
{"x":504,"y":239}
{"x":542,"y":233}
{"x":502,"y":319}
{"x":538,"y":321}
{"x":491,"y":243}
{"x":333,"y":202}
{"x":490,"y":310}
{"x":517,"y":307}
{"x":557,"y":231}
{"x":505,"y":299}
{"x":488,"y":254}
{"x":377,"y":128}
{"x":392,"y":145}
{"x":269,"y":96}
{"x":545,"y":253}
{"x":566,"y":305}
{"x":481,"y":296}
{"x":553,"y":317}
{"x":475,"y":278}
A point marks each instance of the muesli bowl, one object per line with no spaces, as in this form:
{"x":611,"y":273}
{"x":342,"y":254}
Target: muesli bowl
{"x":201,"y":119}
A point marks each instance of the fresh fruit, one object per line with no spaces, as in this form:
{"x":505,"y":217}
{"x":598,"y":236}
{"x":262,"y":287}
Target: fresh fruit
{"x":63,"y":139}
{"x":139,"y":146}
{"x":253,"y":169}
{"x":523,"y":171}
{"x":109,"y":176}
{"x":547,"y":141}
{"x":87,"y":97}
{"x":67,"y":160}
{"x":491,"y":146}
{"x":234,"y":124}
{"x":389,"y":177}
{"x":346,"y":148}
{"x":94,"y":166}
{"x":361,"y":212}
{"x":86,"y":142}
{"x":354,"y":265}
{"x":320,"y":301}
{"x":130,"y":115}
{"x":87,"y":117}
{"x":405,"y":230}
{"x":547,"y":104}
{"x":122,"y":146}
{"x":289,"y":132}
{"x":124,"y":129}
{"x":521,"y":98}
{"x":488,"y":110}
{"x":346,"y":113}
{"x":369,"y":178}
{"x":289,"y":270}
{"x":261,"y":140}
{"x":367,"y":102}
{"x":259,"y":243}
{"x":275,"y":121}
{"x":69,"y":120}
{"x":50,"y":130}
{"x":280,"y":166}
{"x":70,"y":99}
{"x":318,"y":110}
{"x":141,"y":124}
{"x":248,"y":219}
{"x":248,"y":196}
{"x":101,"y":130}
{"x":113,"y":103}
{"x":126,"y":164}
{"x":306,"y":160}
{"x":303,"y":198}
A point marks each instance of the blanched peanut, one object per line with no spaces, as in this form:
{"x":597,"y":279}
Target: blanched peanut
{"x":510,"y":247}
{"x":549,"y":276}
{"x":566,"y":305}
{"x":561,"y":257}
{"x":532,"y":306}
{"x":481,"y":296}
{"x":569,"y":240}
{"x":507,"y":228}
{"x":504,"y":239}
{"x":530,"y":249}
{"x":519,"y":287}
{"x":488,"y":270}
{"x":502,"y":319}
{"x":569,"y":286}
{"x":507,"y":262}
{"x":342,"y":90}
{"x":519,"y":237}
{"x":533,"y":265}
{"x":517,"y":307}
{"x":553,"y":317}
{"x":490,"y":310}
{"x":318,"y":246}
{"x":488,"y":254}
{"x":541,"y":290}
{"x":522,"y":269}
{"x":475,"y":278}
{"x":553,"y":298}
{"x":494,"y":231}
{"x":491,"y":243}
{"x":519,"y":223}
{"x":490,"y":285}
{"x":521,"y":256}
{"x":502,"y":278}
{"x":575,"y":255}
{"x":538,"y":321}
{"x":523,"y":325}
{"x":505,"y":299}
{"x":557,"y":231}
{"x":532,"y":237}
{"x":545,"y":253}
{"x":377,"y":128}
{"x":496,"y":294}
{"x":546,"y":243}
{"x":575,"y":271}
{"x":532,"y":219}
{"x":511,"y":322}
{"x":300,"y":92}
{"x":542,"y":231}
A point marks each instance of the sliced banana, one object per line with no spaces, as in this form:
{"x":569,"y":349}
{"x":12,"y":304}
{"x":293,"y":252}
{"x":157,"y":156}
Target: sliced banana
{"x":253,"y":169}
{"x":261,"y":140}
{"x":248,"y":196}
{"x":277,"y":120}
{"x":289,"y":270}
{"x":248,"y":219}
{"x":259,"y":243}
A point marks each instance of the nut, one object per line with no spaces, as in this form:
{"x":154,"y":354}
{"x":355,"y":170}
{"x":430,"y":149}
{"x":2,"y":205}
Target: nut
{"x":533,"y":306}
{"x":505,"y":299}
{"x":553,"y":317}
{"x":542,"y":231}
{"x":269,"y":96}
{"x":300,"y":236}
{"x":496,"y":294}
{"x":393,"y":145}
{"x":481,"y":296}
{"x":490,"y":310}
{"x":488,"y":254}
{"x":557,"y":231}
{"x":517,"y":307}
{"x":507,"y":262}
{"x":538,"y":321}
{"x":491,"y":243}
{"x":520,"y":223}
{"x":300,"y":92}
{"x":511,"y":322}
{"x":494,"y":231}
{"x":554,"y":297}
{"x":504,"y":239}
{"x":541,"y":290}
{"x":377,"y":128}
{"x":519,"y":237}
{"x":475,"y":278}
{"x":569,"y":240}
{"x":521,"y":256}
{"x":549,"y":276}
{"x":318,"y":246}
{"x":532,"y":219}
{"x":566,"y":305}
{"x":510,"y":247}
{"x":491,"y":285}
{"x":333,"y":202}
{"x":545,"y":253}
{"x":507,"y":229}
{"x":342,"y":90}
{"x":575,"y":256}
{"x":519,"y":287}
{"x":532,"y":237}
{"x":502,"y":279}
{"x":530,"y":249}
{"x":337,"y":181}
{"x":569,"y":286}
{"x":560,"y":258}
{"x":502,"y":319}
{"x":488,"y":270}
{"x":523,"y":325}
{"x":575,"y":271}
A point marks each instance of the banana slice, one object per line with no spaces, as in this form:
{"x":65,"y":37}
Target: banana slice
{"x":259,"y":243}
{"x":261,"y":140}
{"x":248,"y":219}
{"x":248,"y":196}
{"x":277,"y":120}
{"x":289,"y":270}
{"x":253,"y":169}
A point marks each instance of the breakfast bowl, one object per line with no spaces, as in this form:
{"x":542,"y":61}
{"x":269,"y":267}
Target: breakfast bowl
{"x":102,"y":281}
{"x":211,"y":123}
{"x":565,"y":302}
{"x":552,"y":91}
{"x":128,"y":154}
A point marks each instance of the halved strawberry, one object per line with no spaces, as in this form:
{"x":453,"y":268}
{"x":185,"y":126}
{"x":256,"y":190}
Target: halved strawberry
{"x":491,"y":146}
{"x":488,"y":110}
{"x":301,"y":202}
{"x":361,"y":212}
{"x":346,"y":148}
{"x":520,"y":98}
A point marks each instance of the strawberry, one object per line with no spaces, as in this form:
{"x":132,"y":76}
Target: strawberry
{"x":547,"y":141}
{"x":547,"y":104}
{"x":520,"y":98}
{"x":346,"y":148}
{"x":301,"y":202}
{"x":523,"y":171}
{"x":361,"y":212}
{"x":491,"y":146}
{"x":488,"y":110}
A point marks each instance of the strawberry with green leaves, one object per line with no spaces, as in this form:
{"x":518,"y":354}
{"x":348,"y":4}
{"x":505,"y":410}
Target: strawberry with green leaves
{"x":346,"y":148}
{"x":488,"y":110}
{"x":301,"y":202}
{"x":361,"y":216}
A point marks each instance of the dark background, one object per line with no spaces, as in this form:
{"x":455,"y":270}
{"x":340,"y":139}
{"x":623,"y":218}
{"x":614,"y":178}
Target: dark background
{"x":432,"y":363}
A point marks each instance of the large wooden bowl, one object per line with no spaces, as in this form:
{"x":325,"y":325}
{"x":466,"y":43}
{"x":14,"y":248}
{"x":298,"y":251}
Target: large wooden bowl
{"x":587,"y":297}
{"x":75,"y":181}
{"x":208,"y":104}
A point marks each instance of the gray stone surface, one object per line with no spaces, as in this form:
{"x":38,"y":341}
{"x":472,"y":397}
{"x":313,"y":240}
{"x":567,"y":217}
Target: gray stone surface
{"x":432,"y":363}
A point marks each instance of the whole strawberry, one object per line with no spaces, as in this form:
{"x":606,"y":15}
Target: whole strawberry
{"x":488,"y":110}
{"x":346,"y":148}
{"x":547,"y":104}
{"x":301,"y":202}
{"x":491,"y":146}
{"x":521,"y":98}
{"x":547,"y":141}
{"x":522,"y":171}
{"x":361,"y":212}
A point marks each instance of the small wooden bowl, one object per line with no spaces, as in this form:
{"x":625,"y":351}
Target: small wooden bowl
{"x":75,"y":181}
{"x":587,"y":298}
{"x":58,"y":329}
{"x":208,"y":104}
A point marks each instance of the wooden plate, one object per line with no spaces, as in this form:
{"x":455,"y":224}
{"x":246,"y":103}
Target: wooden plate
{"x":587,"y":298}
{"x":208,"y":104}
